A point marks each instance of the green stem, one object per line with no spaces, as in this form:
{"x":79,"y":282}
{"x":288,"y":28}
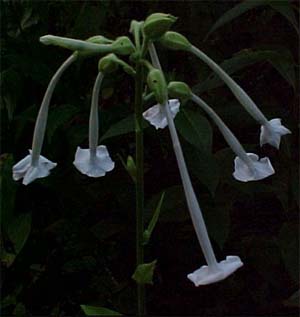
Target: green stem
{"x":139,"y":182}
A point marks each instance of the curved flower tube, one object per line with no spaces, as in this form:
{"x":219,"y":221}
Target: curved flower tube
{"x":214,"y":271}
{"x":34,"y":165}
{"x":247,"y":165}
{"x":272,"y":130}
{"x":156,"y":115}
{"x":95,"y":161}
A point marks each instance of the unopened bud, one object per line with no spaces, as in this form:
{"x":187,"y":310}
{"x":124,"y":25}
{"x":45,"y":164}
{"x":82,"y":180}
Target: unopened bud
{"x":157,"y":24}
{"x":157,"y":83}
{"x":179,"y":90}
{"x":175,"y":41}
{"x":108,"y":64}
{"x":123,"y":46}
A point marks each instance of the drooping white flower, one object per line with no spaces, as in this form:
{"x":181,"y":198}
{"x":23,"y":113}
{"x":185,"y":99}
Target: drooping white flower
{"x":156,"y":115}
{"x":256,"y":170}
{"x":29,"y":170}
{"x":208,"y":275}
{"x":93,"y":164}
{"x":35,"y":165}
{"x":271,"y":132}
{"x":215,"y":270}
{"x":248,"y":166}
{"x":94,"y":161}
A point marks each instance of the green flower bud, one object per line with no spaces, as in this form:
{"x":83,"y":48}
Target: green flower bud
{"x":179,"y":90}
{"x":99,"y":39}
{"x":175,"y":41}
{"x":157,"y":83}
{"x":108,"y":64}
{"x":123,"y":46}
{"x":157,"y":24}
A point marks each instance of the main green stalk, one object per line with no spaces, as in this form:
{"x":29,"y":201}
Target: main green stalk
{"x":139,"y":181}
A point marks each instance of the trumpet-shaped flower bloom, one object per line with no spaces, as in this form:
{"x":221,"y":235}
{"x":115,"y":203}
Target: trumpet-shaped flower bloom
{"x":94,"y":161}
{"x":208,"y":275}
{"x":255,"y":170}
{"x":93,"y":164}
{"x":29,"y":170}
{"x":156,"y":115}
{"x":272,"y":131}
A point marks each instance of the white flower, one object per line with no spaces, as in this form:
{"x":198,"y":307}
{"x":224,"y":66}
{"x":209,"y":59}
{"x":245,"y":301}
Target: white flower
{"x":156,"y":115}
{"x":272,"y":131}
{"x":29,"y":172}
{"x":253,"y":170}
{"x":207,"y":275}
{"x":93,"y":164}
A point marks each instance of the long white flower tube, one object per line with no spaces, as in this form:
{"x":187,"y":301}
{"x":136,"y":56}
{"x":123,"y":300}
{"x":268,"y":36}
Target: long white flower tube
{"x":214,"y":271}
{"x":271,"y":131}
{"x":95,"y":161}
{"x":247,"y":165}
{"x":34,"y":165}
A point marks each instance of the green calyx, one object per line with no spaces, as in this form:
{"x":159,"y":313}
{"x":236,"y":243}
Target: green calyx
{"x":175,"y":41}
{"x":157,"y":24}
{"x":123,"y":46}
{"x":99,"y":39}
{"x":111,"y":62}
{"x":157,"y":83}
{"x":179,"y":90}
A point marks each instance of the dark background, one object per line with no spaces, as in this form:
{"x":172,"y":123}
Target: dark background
{"x":68,"y":240}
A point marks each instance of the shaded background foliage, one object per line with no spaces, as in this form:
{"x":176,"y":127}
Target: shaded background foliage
{"x":68,"y":240}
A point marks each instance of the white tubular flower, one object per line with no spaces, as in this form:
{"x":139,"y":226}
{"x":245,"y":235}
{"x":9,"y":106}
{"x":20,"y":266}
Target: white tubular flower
{"x":258,"y":169}
{"x":271,"y":132}
{"x":213,"y":271}
{"x":206,"y":275}
{"x":157,"y":117}
{"x":93,"y":164}
{"x":95,"y":161}
{"x":34,"y":165}
{"x":248,"y":166}
{"x":29,"y":172}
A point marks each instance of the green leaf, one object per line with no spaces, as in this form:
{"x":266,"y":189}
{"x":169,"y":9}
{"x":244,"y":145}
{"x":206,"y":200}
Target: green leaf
{"x":58,"y":117}
{"x":129,"y":166}
{"x":281,"y":60}
{"x":195,"y":129}
{"x":144,"y":273}
{"x":122,"y":127}
{"x":152,"y":223}
{"x":18,"y":231}
{"x":204,"y":166}
{"x":236,"y":12}
{"x":283,"y":7}
{"x":28,"y":19}
{"x":289,"y":246}
{"x":98,"y":311}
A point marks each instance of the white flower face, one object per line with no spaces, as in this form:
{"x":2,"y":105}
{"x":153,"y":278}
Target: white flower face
{"x":272,"y":131}
{"x":156,"y":114}
{"x":258,"y":169}
{"x":206,"y":275}
{"x":24,"y":169}
{"x":93,"y":164}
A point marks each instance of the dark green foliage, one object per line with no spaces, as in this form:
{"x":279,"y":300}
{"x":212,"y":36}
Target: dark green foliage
{"x":67,"y":243}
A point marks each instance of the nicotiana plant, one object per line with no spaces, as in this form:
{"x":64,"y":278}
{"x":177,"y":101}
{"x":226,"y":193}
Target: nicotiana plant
{"x":143,"y":63}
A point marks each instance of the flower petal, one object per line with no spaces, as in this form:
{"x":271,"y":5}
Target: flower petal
{"x":28,"y":172}
{"x":93,"y":165}
{"x":272,"y":131}
{"x":259,"y":169}
{"x":156,"y":116}
{"x":205,"y":275}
